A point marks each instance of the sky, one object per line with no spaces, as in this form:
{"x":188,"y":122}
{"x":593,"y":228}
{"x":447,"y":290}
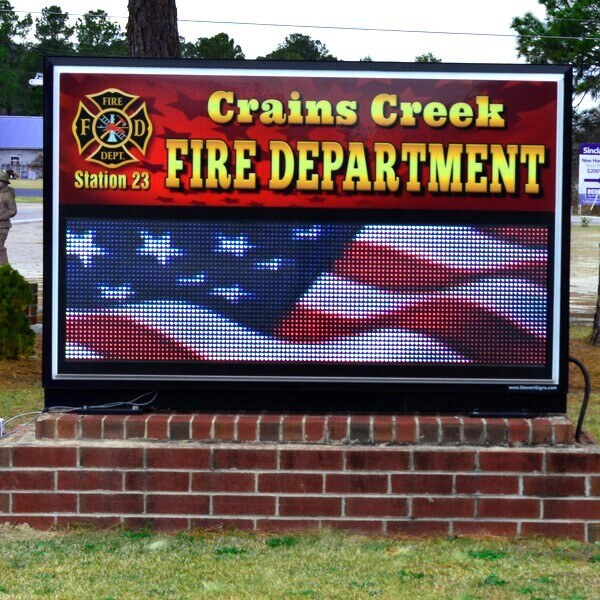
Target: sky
{"x":457,"y":18}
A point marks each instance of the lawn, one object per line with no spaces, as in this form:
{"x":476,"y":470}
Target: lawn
{"x":124,"y":564}
{"x":28,"y":184}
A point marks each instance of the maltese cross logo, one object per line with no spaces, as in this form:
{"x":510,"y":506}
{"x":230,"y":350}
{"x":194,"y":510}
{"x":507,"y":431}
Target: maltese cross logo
{"x":112,"y":128}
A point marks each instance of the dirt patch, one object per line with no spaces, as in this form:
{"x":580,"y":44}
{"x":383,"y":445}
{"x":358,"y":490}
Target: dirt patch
{"x":22,"y":532}
{"x":23,"y":372}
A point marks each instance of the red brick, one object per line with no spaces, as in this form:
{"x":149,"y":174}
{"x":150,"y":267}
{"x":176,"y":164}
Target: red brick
{"x":432,"y":460}
{"x":157,"y":427}
{"x":202,"y":427}
{"x":26,"y":480}
{"x":486,"y":528}
{"x":322,"y":459}
{"x":177,"y":504}
{"x":220,"y":523}
{"x":161,"y":481}
{"x":573,"y":462}
{"x":67,"y":427}
{"x":66,"y":522}
{"x":4,"y":503}
{"x":383,"y":429}
{"x":245,"y":458}
{"x":443,"y":507}
{"x":487,"y":484}
{"x":360,"y":429}
{"x":405,"y":430}
{"x":572,"y":509}
{"x":368,"y":526}
{"x":376,"y":507}
{"x":156,"y":523}
{"x":473,"y":430}
{"x":356,"y":484}
{"x":89,"y":480}
{"x":511,"y":460}
{"x":496,"y":432}
{"x":310,"y":506}
{"x":44,"y":456}
{"x":291,"y":428}
{"x":418,"y":528}
{"x":291,"y":483}
{"x":180,"y":427}
{"x":548,"y":529}
{"x":41,"y":523}
{"x":315,"y":428}
{"x":337,"y":428}
{"x":91,"y":427}
{"x":178,"y":458}
{"x":595,"y":486}
{"x":45,"y":429}
{"x":4,"y":457}
{"x":135,"y":427}
{"x":116,"y":458}
{"x":269,"y":428}
{"x":223,"y":482}
{"x":244,"y":505}
{"x":247,"y":428}
{"x":43,"y":503}
{"x":111,"y":503}
{"x":287,"y":525}
{"x":429,"y":430}
{"x":553,"y":485}
{"x":409,"y":483}
{"x":114,"y":427}
{"x":518,"y":431}
{"x":224,"y":428}
{"x":563,"y":432}
{"x":541,"y":431}
{"x":451,"y":430}
{"x":508,"y":508}
{"x":377,"y":459}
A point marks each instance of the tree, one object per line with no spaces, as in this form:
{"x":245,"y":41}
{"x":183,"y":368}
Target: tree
{"x":216,"y":47}
{"x":152,"y":29}
{"x":97,"y":35}
{"x":297,"y":46}
{"x":52,"y":31}
{"x":12,"y":29}
{"x":427,"y":57}
{"x":568,"y":35}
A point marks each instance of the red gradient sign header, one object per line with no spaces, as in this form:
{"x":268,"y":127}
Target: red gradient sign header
{"x":310,"y":139}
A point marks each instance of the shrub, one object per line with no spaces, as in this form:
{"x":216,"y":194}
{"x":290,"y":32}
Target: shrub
{"x":16,"y":337}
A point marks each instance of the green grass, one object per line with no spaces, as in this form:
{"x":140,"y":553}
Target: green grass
{"x":28,"y":184}
{"x":123,"y":564}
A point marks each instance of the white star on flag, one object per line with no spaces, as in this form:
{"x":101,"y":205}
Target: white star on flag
{"x":233,"y":245}
{"x":233,"y":294}
{"x":84,"y":247}
{"x":159,"y":247}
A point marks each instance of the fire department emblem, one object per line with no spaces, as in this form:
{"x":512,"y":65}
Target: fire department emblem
{"x":113,"y":125}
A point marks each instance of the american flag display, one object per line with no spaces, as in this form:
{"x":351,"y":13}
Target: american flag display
{"x":305,"y":292}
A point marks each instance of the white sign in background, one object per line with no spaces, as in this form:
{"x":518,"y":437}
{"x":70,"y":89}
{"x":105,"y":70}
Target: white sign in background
{"x":589,"y":174}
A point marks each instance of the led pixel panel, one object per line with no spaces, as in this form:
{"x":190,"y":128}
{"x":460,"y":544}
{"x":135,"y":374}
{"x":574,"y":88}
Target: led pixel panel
{"x":165,"y":290}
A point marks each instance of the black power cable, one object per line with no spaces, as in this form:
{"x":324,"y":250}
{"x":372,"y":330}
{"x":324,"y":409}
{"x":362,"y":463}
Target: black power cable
{"x":586,"y":395}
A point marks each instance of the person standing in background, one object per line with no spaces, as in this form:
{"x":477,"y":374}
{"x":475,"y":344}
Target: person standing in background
{"x":8,"y":209}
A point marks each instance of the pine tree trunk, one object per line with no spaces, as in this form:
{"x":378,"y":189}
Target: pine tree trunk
{"x":596,"y":328}
{"x":152,"y":29}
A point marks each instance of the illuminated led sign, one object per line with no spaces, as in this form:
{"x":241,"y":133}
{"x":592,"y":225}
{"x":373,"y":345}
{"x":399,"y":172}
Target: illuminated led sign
{"x":392,"y":230}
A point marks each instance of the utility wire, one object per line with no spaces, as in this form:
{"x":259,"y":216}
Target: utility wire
{"x":358,"y":29}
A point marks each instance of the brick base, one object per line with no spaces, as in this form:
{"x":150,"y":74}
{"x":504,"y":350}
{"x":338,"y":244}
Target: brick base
{"x":280,"y":473}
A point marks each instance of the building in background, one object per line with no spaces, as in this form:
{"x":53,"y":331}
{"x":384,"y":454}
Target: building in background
{"x":21,"y":146}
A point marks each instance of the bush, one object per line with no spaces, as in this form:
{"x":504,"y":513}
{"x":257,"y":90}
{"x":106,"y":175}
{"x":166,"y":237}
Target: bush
{"x":16,"y":337}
